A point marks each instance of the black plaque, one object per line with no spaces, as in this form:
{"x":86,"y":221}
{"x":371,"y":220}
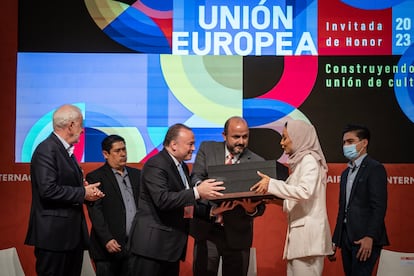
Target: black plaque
{"x":239,"y":178}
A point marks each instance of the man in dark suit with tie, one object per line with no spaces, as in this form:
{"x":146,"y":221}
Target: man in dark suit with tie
{"x":360,"y":228}
{"x":112,"y":215}
{"x":57,"y":226}
{"x":232,"y":237}
{"x":166,"y":203}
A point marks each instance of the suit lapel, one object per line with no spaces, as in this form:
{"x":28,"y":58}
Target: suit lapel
{"x":220,"y":157}
{"x":245,"y":156}
{"x":187,"y":174}
{"x":75,"y":163}
{"x":76,"y":167}
{"x":179,"y":183}
{"x":178,"y":176}
{"x":72,"y":162}
{"x":109,"y":174}
{"x":133,"y":180}
{"x":361,"y":170}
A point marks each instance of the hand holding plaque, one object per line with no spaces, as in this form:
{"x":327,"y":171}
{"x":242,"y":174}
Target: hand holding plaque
{"x":249,"y":205}
{"x":210,"y":189}
{"x":262,"y":186}
{"x":239,"y":178}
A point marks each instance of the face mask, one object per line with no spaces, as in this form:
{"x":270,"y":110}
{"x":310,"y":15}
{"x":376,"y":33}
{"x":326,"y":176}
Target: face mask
{"x":351,"y":152}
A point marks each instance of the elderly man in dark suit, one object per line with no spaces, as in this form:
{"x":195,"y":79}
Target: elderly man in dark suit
{"x":166,"y":203}
{"x":232,"y":237}
{"x":57,"y":226}
{"x":112,"y":215}
{"x":360,"y":227}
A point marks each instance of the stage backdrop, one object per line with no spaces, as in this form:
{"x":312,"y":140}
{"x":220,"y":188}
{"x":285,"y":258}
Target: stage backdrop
{"x":136,"y":67}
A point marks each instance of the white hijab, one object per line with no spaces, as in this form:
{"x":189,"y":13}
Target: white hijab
{"x":304,"y":141}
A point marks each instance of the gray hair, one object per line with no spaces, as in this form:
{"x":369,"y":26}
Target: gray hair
{"x":65,"y":115}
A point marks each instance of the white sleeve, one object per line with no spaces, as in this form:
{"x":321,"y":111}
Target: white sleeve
{"x":300,"y":185}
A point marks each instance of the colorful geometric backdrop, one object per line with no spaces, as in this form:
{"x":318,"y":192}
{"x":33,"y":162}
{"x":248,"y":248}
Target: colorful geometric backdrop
{"x":136,"y":67}
{"x":139,"y":66}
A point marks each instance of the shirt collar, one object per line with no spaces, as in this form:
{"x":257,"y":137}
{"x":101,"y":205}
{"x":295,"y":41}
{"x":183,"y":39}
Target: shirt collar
{"x":357,"y":163}
{"x":175,"y":160}
{"x":227,"y":152}
{"x":69,"y":148}
{"x":124,"y":172}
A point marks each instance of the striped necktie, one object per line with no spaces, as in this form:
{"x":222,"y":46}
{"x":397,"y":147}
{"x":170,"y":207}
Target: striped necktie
{"x":229,"y":159}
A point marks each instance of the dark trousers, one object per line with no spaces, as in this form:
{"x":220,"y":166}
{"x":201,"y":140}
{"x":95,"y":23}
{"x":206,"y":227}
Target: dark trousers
{"x":58,"y":263}
{"x":116,"y":267}
{"x":142,"y":266}
{"x":352,"y":266}
{"x":207,"y":253}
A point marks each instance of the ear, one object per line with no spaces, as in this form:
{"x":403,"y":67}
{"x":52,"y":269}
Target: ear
{"x":365,"y":143}
{"x":173,"y":145}
{"x":69,"y":127}
{"x":224,"y":136}
{"x":105,"y":154}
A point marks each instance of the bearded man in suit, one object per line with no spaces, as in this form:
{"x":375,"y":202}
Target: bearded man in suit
{"x":230,"y":236}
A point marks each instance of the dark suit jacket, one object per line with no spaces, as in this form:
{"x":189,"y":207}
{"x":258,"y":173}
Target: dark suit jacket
{"x":57,"y":221}
{"x":238,"y":226}
{"x":108,"y":214}
{"x":367,"y":204}
{"x":160,"y":230}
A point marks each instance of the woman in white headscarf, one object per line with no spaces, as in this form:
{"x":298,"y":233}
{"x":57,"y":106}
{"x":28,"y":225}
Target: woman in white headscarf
{"x":308,"y":238}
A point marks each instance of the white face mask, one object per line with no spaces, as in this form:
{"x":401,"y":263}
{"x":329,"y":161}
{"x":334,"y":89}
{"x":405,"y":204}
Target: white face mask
{"x":351,"y":152}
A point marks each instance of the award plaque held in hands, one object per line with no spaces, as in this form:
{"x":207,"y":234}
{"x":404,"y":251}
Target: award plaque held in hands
{"x":239,"y":178}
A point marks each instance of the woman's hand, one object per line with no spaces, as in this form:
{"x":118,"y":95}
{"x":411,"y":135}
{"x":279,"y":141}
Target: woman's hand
{"x":262,"y":186}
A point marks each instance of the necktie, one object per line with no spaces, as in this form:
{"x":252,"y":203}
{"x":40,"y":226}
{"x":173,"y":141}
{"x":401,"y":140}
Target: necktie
{"x":182,"y":174}
{"x":229,"y":159}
